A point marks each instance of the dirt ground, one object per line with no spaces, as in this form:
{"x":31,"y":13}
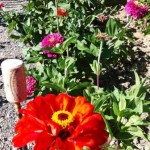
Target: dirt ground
{"x":11,"y":49}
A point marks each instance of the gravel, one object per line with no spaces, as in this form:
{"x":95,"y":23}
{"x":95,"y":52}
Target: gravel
{"x":8,"y":49}
{"x":11,"y":49}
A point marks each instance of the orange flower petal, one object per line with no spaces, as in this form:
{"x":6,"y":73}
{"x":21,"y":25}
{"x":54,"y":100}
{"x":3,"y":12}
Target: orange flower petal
{"x":79,"y":101}
{"x":64,"y":102}
{"x":82,"y":108}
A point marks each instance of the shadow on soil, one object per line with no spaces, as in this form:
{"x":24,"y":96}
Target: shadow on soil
{"x":122,"y":75}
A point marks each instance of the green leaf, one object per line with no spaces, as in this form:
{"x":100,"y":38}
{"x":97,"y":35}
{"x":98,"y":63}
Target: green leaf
{"x":13,"y":36}
{"x":95,"y":67}
{"x":122,"y":102}
{"x":37,"y":47}
{"x":129,"y":148}
{"x":137,"y":79}
{"x":107,"y":125}
{"x":124,"y":136}
{"x":112,"y":27}
{"x":136,"y":131}
{"x":147,"y":31}
{"x":118,"y":43}
{"x":69,"y":41}
{"x":94,"y":49}
{"x":28,"y":22}
{"x":109,"y":117}
{"x":81,"y":85}
{"x":55,"y":86}
{"x":115,"y":108}
{"x":135,"y":120}
{"x":116,"y":94}
{"x":58,"y":49}
{"x":81,"y":46}
{"x":12,"y":25}
{"x":33,"y":59}
{"x":64,"y":5}
{"x":139,"y":105}
{"x":126,"y":112}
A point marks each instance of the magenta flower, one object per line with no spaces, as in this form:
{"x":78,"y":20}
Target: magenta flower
{"x":31,"y":84}
{"x":1,"y":5}
{"x":136,"y":9}
{"x":51,"y":40}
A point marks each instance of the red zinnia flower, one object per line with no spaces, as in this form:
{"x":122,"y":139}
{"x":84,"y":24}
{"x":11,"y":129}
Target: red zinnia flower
{"x":62,"y":12}
{"x":1,"y":5}
{"x":60,"y":122}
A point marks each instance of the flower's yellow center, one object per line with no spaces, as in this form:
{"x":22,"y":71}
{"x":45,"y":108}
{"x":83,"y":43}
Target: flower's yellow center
{"x":51,"y":39}
{"x":138,"y":3}
{"x":63,"y":118}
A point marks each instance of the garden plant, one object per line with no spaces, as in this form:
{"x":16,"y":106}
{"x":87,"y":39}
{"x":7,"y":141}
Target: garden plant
{"x":67,"y":46}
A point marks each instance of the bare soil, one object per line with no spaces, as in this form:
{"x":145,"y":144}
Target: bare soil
{"x":122,"y":76}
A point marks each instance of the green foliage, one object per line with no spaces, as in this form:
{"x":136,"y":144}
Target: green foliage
{"x":122,"y":111}
{"x":82,"y":56}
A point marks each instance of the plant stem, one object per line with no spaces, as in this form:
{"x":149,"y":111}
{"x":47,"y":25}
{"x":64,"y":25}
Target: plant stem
{"x":57,"y":19}
{"x":98,"y":63}
{"x":65,"y":71}
{"x":129,"y":21}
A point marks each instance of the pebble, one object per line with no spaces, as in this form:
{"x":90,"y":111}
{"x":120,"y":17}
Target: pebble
{"x":8,"y":118}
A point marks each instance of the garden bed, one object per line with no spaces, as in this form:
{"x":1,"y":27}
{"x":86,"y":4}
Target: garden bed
{"x":121,"y":76}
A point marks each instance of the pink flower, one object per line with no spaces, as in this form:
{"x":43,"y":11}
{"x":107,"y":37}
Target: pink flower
{"x":50,"y":41}
{"x":31,"y":84}
{"x":1,"y":5}
{"x":136,"y":9}
{"x":50,"y":54}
